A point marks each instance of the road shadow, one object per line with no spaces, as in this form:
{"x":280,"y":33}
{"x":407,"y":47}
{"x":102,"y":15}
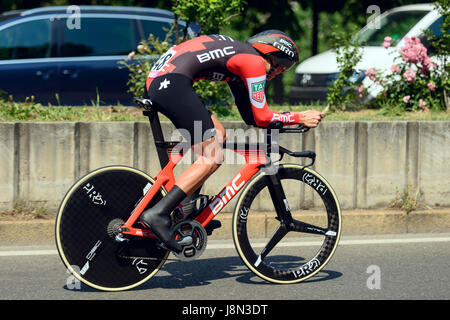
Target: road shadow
{"x":201,"y":272}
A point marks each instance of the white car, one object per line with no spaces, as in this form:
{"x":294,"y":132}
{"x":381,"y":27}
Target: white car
{"x":315,"y":74}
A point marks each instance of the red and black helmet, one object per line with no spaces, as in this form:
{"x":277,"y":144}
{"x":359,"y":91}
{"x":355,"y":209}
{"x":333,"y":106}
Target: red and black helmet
{"x":277,"y":46}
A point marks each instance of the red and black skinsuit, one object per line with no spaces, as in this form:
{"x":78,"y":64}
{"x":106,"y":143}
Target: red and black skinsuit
{"x":215,"y":58}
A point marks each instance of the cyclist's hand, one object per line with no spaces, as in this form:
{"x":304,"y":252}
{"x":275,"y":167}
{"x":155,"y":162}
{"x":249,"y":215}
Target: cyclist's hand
{"x":311,"y":118}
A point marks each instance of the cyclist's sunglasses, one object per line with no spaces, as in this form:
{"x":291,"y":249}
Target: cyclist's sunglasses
{"x":275,"y":68}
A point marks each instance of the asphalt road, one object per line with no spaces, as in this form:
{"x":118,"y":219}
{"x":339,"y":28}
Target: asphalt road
{"x":403,"y":267}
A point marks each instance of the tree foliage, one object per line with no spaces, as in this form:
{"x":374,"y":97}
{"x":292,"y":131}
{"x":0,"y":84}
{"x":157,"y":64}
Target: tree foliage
{"x":343,"y":93}
{"x":212,"y":15}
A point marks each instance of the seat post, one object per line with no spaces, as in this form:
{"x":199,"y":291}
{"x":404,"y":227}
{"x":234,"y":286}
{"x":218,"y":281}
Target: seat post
{"x":158,"y":136}
{"x":268,"y":141}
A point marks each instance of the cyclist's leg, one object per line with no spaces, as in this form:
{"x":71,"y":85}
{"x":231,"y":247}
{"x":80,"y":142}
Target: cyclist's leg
{"x":208,"y":158}
{"x":158,"y":217}
{"x":186,"y":116}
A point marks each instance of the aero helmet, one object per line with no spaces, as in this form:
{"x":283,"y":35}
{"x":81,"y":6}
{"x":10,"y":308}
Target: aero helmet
{"x":277,"y":46}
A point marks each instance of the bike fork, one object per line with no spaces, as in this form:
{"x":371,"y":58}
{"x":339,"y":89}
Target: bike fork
{"x":280,"y":201}
{"x":283,"y":215}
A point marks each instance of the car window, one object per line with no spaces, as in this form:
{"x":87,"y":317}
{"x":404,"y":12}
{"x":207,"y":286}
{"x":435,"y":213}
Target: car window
{"x":435,"y":29}
{"x":99,"y":37}
{"x":159,"y":29}
{"x":26,"y":40}
{"x":396,"y":25}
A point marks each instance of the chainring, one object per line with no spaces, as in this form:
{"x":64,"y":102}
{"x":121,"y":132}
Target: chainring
{"x":195,"y":245}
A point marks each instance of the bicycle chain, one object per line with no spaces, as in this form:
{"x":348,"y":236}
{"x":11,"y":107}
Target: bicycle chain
{"x":176,"y":219}
{"x":161,"y":246}
{"x":143,"y":258}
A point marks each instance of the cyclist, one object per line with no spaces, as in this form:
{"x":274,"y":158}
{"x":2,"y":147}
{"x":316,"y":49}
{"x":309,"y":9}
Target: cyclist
{"x":245,"y":66}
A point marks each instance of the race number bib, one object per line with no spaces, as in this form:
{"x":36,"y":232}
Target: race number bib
{"x":162,"y":63}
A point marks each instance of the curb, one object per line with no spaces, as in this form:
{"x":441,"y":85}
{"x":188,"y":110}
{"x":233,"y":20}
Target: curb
{"x":361,"y":222}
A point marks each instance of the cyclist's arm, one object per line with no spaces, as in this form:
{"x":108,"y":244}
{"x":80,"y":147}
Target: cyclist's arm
{"x":251,"y":70}
{"x":240,"y":95}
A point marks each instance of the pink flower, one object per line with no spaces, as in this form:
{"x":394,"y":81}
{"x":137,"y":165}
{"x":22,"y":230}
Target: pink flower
{"x":360,"y":90}
{"x":413,"y":51}
{"x":395,"y":68}
{"x":371,"y":73}
{"x":406,"y":99}
{"x":387,"y":42}
{"x":415,"y":39}
{"x":131,"y":55}
{"x":423,"y":105}
{"x":431,"y":86}
{"x":409,"y":75}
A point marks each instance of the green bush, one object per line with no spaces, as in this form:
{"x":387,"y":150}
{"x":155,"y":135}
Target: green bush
{"x":343,"y":92}
{"x":414,"y":83}
{"x":139,"y":62}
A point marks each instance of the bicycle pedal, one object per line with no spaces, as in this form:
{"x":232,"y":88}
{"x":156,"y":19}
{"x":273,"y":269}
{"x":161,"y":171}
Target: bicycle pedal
{"x":186,"y":241}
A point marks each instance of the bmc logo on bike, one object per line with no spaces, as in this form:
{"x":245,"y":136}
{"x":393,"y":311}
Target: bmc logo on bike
{"x":226,"y":195}
{"x":214,"y":54}
{"x":285,"y":118}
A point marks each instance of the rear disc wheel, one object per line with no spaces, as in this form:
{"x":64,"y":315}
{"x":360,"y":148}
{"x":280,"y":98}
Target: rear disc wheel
{"x":87,"y":226}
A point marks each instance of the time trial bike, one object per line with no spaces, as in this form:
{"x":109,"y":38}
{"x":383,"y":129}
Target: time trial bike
{"x":102,"y":242}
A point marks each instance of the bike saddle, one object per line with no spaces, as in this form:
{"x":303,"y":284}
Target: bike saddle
{"x":147,"y":104}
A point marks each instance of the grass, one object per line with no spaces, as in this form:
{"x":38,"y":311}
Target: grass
{"x":13,"y":112}
{"x":407,"y":200}
{"x":21,"y":211}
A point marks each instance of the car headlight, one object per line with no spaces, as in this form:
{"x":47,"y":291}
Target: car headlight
{"x":331,"y":78}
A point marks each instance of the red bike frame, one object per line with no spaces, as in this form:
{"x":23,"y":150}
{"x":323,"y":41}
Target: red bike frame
{"x":254,"y":160}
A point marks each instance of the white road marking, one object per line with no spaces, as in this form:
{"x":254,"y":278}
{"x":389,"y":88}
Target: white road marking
{"x":261,"y":244}
{"x":342,"y":242}
{"x":27,"y":253}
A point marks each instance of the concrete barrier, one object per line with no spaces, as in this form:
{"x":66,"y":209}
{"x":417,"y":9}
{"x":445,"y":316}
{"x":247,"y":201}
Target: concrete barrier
{"x":8,"y":171}
{"x":365,"y":162}
{"x":355,"y":222}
